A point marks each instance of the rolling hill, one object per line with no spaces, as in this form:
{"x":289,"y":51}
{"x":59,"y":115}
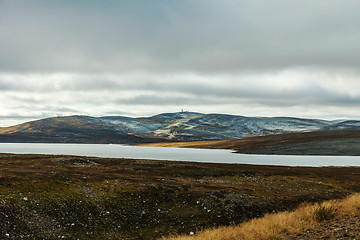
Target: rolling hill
{"x":167,"y":127}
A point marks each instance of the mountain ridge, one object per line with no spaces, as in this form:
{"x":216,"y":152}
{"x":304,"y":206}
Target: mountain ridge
{"x":164,"y":127}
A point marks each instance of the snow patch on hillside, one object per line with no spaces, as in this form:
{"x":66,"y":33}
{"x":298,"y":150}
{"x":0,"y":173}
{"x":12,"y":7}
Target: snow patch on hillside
{"x":182,"y":126}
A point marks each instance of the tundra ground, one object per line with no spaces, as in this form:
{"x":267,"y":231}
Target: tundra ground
{"x":72,"y":197}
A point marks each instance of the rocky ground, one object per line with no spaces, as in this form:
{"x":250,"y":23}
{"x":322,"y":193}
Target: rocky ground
{"x":72,"y":197}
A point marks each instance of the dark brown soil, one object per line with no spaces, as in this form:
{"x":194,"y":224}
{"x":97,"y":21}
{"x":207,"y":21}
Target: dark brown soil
{"x":332,"y":142}
{"x":72,"y":197}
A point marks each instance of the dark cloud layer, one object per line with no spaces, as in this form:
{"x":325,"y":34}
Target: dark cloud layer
{"x":196,"y":36}
{"x":252,"y":57}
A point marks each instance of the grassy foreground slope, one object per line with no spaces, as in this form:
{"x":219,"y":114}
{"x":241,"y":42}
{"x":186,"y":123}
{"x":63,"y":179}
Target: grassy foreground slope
{"x":72,"y":197}
{"x":333,"y":142}
{"x":336,"y":219}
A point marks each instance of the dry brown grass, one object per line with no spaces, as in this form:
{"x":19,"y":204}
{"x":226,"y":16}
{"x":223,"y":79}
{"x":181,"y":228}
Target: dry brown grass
{"x":247,"y":144}
{"x":278,"y":225}
{"x":68,"y":188}
{"x":195,"y":144}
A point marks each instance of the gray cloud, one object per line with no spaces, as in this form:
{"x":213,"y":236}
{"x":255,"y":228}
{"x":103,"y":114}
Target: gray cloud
{"x":290,"y":87}
{"x":195,"y":36}
{"x":298,"y":58}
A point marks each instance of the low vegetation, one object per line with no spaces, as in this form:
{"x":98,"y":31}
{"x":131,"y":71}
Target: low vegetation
{"x":336,"y":219}
{"x":73,"y":197}
{"x":331,"y":142}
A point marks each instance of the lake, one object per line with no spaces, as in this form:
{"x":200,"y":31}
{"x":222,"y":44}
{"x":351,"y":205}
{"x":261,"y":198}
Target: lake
{"x":176,"y":154}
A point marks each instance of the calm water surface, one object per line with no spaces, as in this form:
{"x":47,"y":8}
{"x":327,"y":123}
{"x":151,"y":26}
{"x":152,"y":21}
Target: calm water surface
{"x":176,"y":154}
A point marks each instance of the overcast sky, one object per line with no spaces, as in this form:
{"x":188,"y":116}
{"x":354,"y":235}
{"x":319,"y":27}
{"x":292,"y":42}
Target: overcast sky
{"x":141,"y":57}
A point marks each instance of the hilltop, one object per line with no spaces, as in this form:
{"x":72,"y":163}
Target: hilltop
{"x":166,"y":127}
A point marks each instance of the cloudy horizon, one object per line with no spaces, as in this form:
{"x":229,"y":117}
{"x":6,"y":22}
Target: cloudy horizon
{"x":141,"y":58}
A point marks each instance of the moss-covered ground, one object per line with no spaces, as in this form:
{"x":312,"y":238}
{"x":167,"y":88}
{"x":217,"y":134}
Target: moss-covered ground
{"x":72,"y":197}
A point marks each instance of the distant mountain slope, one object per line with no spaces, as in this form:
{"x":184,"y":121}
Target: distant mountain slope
{"x":193,"y":126}
{"x":344,"y":125}
{"x":73,"y":129}
{"x":181,"y":126}
{"x":330,"y":142}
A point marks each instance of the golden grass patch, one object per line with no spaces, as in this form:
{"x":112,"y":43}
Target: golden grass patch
{"x":278,"y":225}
